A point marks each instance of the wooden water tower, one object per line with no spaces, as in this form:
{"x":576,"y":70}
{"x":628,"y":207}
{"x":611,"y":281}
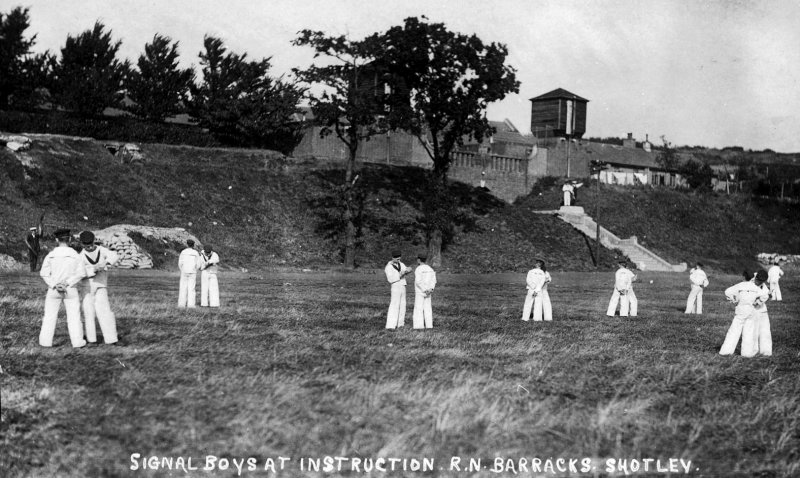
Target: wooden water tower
{"x":558,"y":113}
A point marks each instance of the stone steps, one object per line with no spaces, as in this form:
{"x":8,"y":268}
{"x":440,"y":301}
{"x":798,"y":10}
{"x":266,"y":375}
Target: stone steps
{"x":642,"y":257}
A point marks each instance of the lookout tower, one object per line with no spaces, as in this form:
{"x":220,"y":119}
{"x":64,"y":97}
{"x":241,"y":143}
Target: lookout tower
{"x":558,"y":113}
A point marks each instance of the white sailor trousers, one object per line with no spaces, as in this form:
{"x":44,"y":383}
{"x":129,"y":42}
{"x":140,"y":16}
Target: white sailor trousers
{"x":396,"y":315}
{"x":629,"y":307}
{"x":209,"y":289}
{"x":528,"y":306}
{"x":186,"y":294}
{"x":567,"y":198}
{"x":542,"y":309}
{"x":95,"y":302}
{"x":775,"y":290}
{"x":622,"y":300}
{"x":762,"y":340}
{"x":694,"y":304}
{"x":539,"y":305}
{"x":743,"y":326}
{"x":72,"y":304}
{"x":423,"y":311}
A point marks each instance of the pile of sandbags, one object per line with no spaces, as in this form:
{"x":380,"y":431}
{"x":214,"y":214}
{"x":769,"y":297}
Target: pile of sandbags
{"x":130,"y":256}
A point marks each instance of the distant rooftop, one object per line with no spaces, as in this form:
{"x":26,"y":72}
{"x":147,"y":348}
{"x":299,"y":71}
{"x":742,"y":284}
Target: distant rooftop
{"x":559,"y":93}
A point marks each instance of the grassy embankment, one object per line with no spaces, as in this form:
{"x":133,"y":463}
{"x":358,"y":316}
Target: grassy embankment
{"x":724,"y":232}
{"x":260,"y":210}
{"x":298,"y":365}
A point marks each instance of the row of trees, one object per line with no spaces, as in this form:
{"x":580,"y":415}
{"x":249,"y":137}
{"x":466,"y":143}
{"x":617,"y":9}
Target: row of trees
{"x":236,"y":98}
{"x":418,"y":77}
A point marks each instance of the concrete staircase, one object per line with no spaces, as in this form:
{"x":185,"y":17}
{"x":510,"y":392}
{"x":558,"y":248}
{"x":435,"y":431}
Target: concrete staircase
{"x":644,"y":259}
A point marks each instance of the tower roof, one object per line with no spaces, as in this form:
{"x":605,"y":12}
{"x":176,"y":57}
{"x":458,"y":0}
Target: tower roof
{"x":559,"y":93}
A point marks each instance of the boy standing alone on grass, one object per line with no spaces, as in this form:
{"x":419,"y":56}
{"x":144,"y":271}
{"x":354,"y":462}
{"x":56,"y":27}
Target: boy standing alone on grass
{"x":424,"y":283}
{"x":699,"y":280}
{"x":537,"y":298}
{"x":623,"y":292}
{"x":773,"y":276}
{"x":62,"y":270}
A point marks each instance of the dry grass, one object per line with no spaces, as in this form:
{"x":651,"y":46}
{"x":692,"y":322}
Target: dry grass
{"x":299,"y":365}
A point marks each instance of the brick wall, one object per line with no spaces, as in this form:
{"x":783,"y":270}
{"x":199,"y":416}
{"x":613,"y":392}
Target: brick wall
{"x":392,"y":148}
{"x":506,"y":177}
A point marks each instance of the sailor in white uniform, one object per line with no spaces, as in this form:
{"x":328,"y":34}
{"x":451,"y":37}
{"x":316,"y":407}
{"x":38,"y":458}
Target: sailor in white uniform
{"x":424,"y":283}
{"x":774,"y":275}
{"x":62,"y":270}
{"x":762,"y":335}
{"x":209,"y":285}
{"x":747,"y":295}
{"x":94,"y":288}
{"x":396,"y":273}
{"x":567,"y":189}
{"x":699,"y":281}
{"x":623,"y":293}
{"x":188,"y":263}
{"x":537,"y":298}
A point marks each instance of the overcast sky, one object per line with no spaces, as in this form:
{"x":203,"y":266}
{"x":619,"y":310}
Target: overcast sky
{"x":709,"y":73}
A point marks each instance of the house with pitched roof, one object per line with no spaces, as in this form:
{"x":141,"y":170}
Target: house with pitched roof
{"x":507,"y":140}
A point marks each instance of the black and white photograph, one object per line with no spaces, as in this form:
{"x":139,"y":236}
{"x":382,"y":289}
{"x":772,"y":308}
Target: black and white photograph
{"x":353,"y":238}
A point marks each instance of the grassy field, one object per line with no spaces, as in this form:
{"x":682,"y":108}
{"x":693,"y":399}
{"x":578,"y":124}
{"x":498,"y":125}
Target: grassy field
{"x":298,"y":365}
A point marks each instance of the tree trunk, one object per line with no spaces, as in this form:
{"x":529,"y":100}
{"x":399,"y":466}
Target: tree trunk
{"x":349,"y":235}
{"x":349,"y":225}
{"x":440,"y":214}
{"x":435,"y":248}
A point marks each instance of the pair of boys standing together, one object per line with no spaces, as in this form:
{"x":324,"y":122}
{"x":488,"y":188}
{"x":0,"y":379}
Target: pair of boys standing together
{"x":65,"y":271}
{"x":424,"y":283}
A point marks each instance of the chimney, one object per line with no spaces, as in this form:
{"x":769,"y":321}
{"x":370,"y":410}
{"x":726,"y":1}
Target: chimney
{"x":629,"y":142}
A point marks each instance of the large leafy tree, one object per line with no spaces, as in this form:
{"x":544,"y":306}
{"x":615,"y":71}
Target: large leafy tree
{"x":347,"y":106}
{"x":89,"y":78}
{"x":443,"y":82}
{"x":158,"y":87}
{"x":21,"y":74}
{"x":241,"y":104}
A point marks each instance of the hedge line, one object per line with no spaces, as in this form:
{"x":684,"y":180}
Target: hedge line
{"x":119,"y":128}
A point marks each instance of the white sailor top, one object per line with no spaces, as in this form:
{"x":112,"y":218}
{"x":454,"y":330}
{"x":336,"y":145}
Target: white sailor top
{"x":394,"y":273}
{"x":208,"y":264}
{"x":96,"y":264}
